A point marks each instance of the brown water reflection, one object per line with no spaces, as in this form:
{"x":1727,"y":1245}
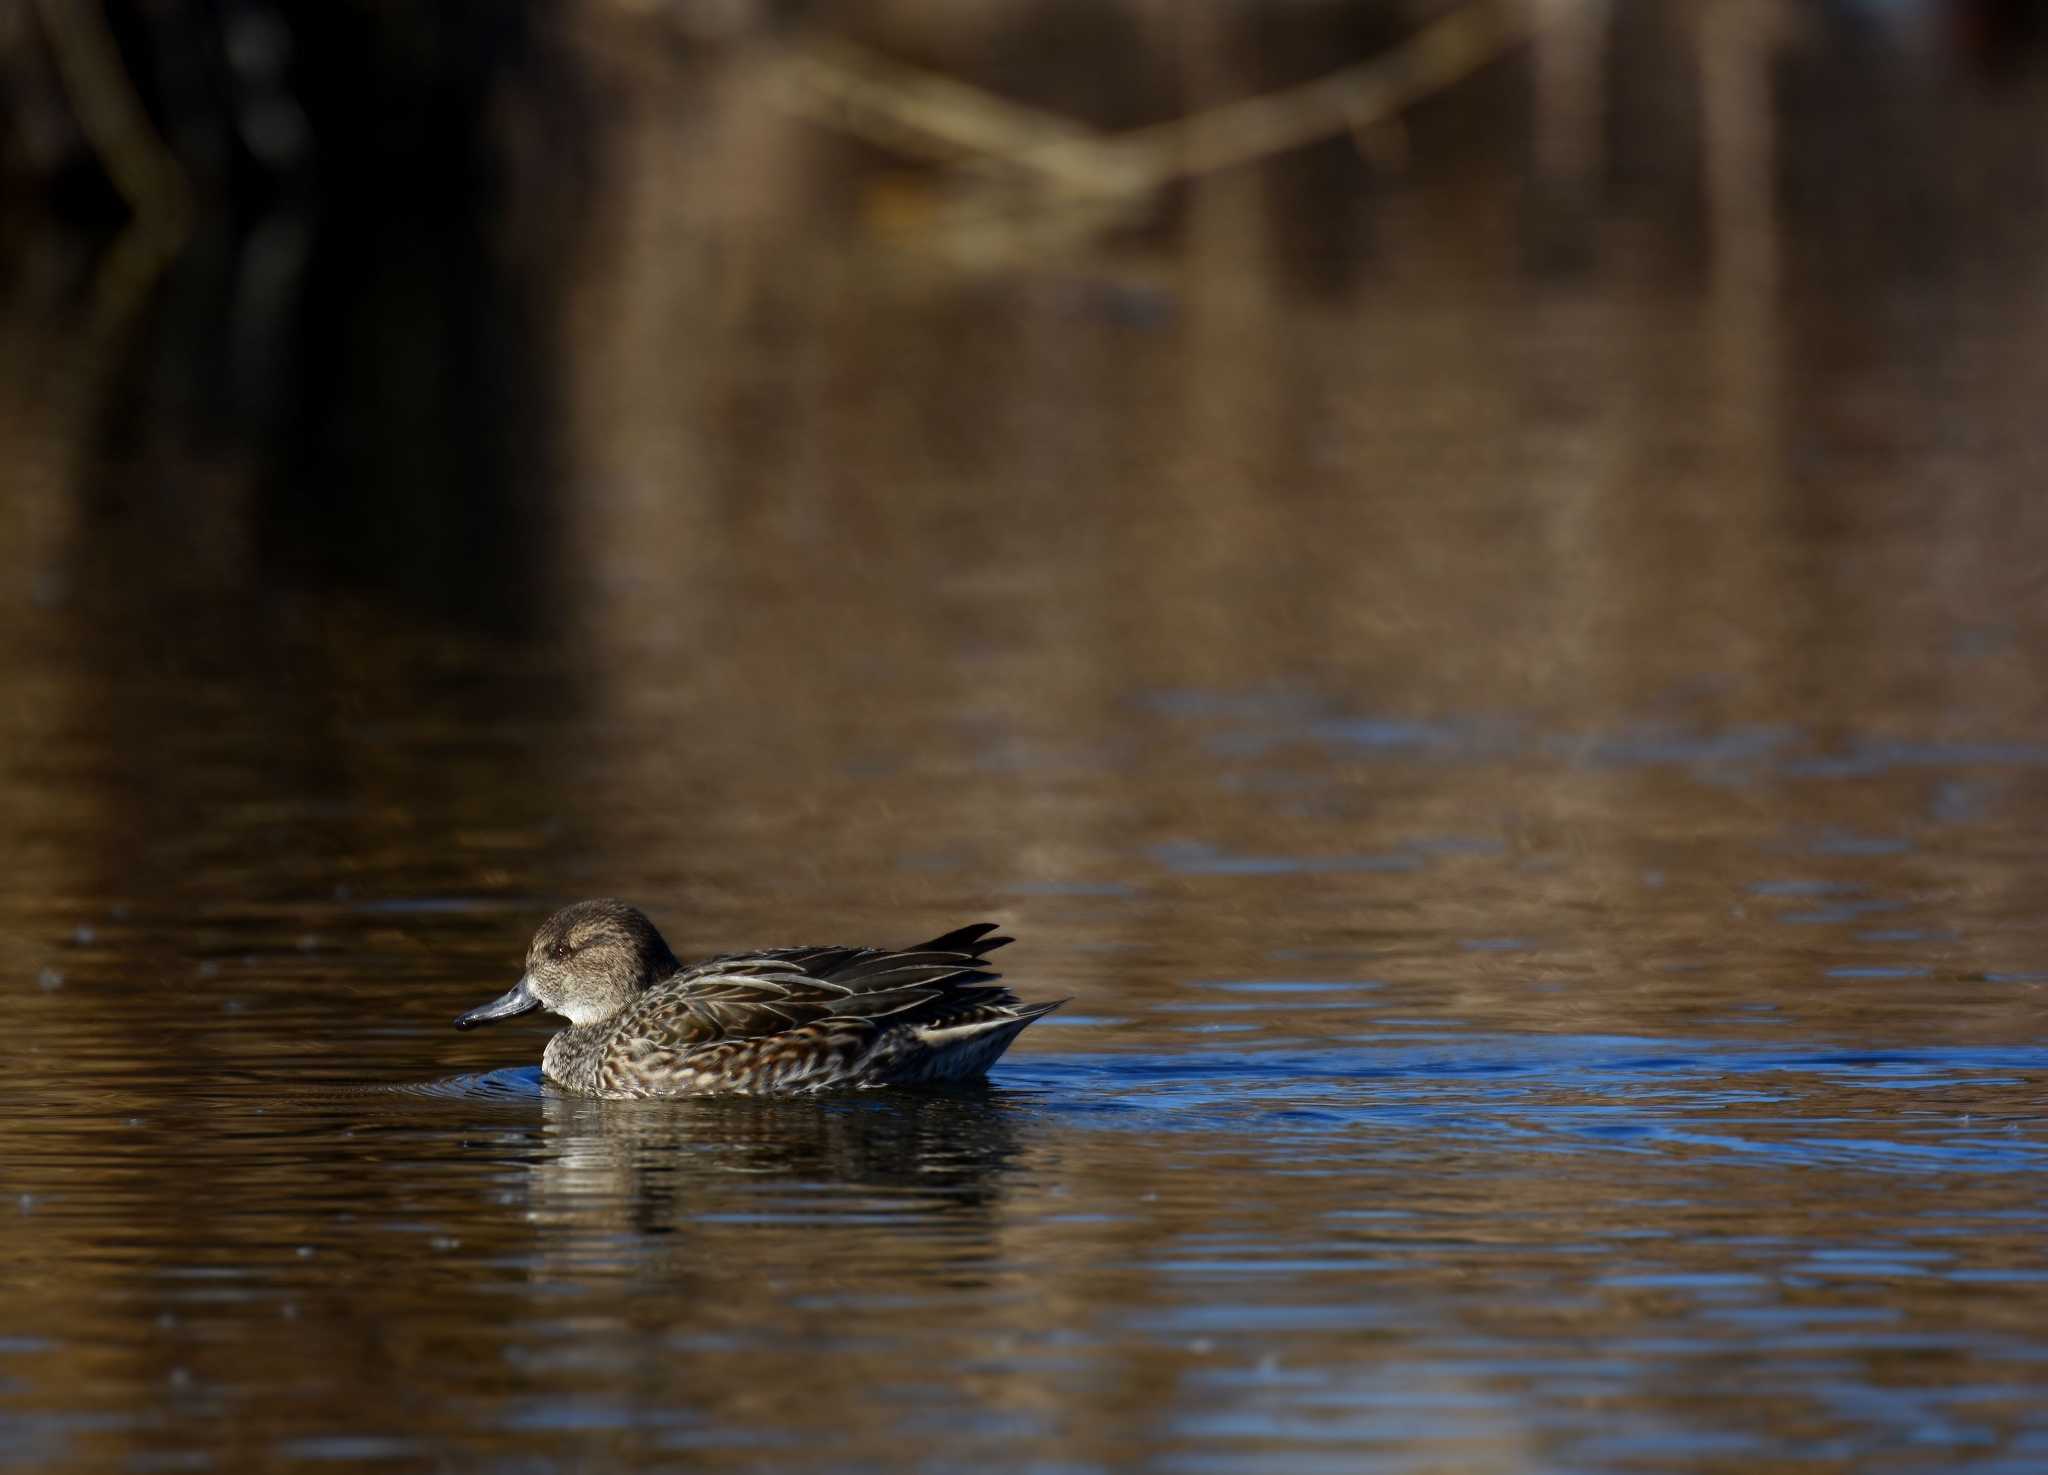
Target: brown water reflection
{"x":1523,"y":733}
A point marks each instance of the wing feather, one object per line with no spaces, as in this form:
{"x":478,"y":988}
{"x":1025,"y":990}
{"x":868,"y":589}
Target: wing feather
{"x":756,"y":996}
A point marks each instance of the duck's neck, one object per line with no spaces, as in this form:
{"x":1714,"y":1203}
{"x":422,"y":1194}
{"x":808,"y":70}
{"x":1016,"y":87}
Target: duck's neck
{"x":575,"y":1056}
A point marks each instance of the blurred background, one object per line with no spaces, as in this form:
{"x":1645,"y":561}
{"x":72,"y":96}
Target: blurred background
{"x":726,"y":415}
{"x":1468,"y":577}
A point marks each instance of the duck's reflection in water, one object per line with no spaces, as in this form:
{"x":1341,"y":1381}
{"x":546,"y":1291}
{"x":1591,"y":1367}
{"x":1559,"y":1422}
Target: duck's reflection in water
{"x":641,"y":1178}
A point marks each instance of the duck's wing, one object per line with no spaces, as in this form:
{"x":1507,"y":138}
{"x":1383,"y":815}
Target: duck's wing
{"x":846,"y":989}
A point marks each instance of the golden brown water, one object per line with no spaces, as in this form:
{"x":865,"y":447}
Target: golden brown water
{"x":1534,"y":783}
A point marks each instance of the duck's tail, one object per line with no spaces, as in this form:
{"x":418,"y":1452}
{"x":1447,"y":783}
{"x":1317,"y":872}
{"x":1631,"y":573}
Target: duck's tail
{"x":963,"y":1049}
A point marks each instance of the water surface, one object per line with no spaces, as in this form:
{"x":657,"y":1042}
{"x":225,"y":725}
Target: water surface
{"x":1532,"y":781}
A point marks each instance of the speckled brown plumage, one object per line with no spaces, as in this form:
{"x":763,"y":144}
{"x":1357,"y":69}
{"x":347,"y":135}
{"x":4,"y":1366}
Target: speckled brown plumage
{"x":779,"y":1021}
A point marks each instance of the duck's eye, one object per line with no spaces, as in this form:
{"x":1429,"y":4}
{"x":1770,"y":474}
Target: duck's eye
{"x":559,"y":950}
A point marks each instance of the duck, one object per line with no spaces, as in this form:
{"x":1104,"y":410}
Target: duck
{"x":781,"y":1021}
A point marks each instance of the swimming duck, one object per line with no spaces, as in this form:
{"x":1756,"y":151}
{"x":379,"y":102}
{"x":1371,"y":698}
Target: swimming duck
{"x":783,"y":1020}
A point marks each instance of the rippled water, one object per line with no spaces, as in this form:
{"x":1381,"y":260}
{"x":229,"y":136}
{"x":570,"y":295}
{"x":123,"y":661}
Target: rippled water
{"x":1534,"y":786}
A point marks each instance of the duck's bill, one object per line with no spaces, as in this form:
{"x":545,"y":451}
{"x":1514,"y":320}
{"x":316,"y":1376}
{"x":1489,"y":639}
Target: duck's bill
{"x":519,"y":999}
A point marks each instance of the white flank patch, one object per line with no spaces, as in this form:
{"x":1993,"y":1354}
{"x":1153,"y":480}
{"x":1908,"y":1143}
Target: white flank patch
{"x":960,"y":1034}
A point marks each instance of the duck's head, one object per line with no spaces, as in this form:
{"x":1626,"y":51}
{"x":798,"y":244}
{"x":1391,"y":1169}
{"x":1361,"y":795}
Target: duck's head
{"x":587,"y":962}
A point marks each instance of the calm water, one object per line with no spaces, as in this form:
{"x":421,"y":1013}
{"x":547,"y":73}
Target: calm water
{"x":1534,"y":782}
